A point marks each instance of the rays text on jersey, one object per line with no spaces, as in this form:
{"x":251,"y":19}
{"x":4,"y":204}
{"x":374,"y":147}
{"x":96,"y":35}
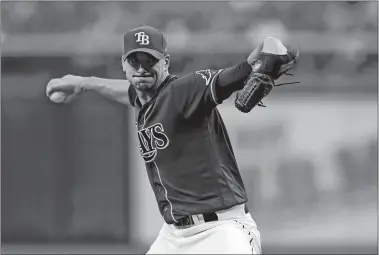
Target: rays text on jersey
{"x":150,"y":140}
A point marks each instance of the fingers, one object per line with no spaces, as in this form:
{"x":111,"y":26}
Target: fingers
{"x":68,"y":83}
{"x":53,"y":83}
{"x":56,"y":84}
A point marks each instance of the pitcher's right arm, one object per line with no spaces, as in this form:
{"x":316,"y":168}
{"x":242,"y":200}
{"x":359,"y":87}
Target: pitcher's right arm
{"x":115,"y":89}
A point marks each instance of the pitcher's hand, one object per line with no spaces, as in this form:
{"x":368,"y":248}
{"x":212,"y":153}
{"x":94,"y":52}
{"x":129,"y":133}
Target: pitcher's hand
{"x":71,"y":85}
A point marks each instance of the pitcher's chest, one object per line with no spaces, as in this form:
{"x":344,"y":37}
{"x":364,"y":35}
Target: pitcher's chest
{"x":157,"y":126}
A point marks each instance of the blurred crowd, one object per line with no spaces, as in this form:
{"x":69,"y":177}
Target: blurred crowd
{"x":338,"y":40}
{"x":232,"y":16}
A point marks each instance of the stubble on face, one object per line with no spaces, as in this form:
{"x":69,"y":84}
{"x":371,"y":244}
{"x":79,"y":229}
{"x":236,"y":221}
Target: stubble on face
{"x":144,"y":72}
{"x":144,"y":83}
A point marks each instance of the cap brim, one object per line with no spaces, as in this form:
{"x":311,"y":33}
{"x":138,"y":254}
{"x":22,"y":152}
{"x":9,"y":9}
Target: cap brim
{"x":155,"y":53}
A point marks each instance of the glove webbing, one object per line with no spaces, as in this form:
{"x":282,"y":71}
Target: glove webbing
{"x":256,"y":87}
{"x":280,"y":84}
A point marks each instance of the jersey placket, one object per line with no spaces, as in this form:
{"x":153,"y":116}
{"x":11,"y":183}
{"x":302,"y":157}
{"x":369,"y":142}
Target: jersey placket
{"x":159,"y":188}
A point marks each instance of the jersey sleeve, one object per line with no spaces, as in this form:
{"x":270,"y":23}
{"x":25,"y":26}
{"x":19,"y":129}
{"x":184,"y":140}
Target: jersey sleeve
{"x":196,"y":93}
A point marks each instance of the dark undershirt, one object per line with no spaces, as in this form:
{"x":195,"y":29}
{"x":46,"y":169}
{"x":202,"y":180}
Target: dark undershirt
{"x":232,"y":79}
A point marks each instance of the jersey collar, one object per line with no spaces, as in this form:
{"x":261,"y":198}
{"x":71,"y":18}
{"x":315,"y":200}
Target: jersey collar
{"x":166,"y":81}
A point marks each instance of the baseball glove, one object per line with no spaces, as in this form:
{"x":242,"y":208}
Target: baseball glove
{"x":273,"y":61}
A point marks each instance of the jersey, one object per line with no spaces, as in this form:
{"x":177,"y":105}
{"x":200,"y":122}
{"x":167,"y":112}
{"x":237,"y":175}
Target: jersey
{"x":186,"y":148}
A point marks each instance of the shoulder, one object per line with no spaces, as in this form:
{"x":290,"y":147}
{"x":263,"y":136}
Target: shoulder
{"x":207,"y":75}
{"x":200,"y":77}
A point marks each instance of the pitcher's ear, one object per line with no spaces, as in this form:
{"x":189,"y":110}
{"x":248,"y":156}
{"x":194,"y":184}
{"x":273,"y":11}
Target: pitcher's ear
{"x":167,"y":60}
{"x":123,"y":63}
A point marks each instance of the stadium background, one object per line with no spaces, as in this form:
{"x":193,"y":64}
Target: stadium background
{"x":72,"y":178}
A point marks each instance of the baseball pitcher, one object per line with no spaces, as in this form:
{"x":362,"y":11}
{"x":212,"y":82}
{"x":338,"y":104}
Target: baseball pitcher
{"x":183,"y":140}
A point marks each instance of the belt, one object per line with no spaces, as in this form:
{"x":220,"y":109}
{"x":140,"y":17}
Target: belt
{"x":201,"y":218}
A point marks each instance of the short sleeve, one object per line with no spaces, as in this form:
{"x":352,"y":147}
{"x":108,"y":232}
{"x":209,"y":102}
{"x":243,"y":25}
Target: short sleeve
{"x":195,"y":92}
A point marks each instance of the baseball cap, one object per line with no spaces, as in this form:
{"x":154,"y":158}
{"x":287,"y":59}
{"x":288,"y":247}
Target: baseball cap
{"x":147,"y":39}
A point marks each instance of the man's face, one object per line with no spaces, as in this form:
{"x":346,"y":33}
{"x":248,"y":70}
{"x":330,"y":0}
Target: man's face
{"x":143,"y":70}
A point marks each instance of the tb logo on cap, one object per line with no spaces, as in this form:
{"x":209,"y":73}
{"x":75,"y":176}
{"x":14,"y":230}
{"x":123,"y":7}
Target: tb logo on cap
{"x":142,"y":38}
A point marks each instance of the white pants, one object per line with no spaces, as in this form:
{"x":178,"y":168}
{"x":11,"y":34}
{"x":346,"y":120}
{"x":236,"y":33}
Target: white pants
{"x":234,"y":232}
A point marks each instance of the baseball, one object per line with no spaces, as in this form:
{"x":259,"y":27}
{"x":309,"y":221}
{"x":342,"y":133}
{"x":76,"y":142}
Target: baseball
{"x":58,"y":97}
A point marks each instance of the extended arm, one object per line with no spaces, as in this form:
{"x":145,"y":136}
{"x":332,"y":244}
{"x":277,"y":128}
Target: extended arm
{"x":256,"y":75}
{"x":115,"y":89}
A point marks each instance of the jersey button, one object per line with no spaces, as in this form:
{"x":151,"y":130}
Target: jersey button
{"x":159,"y":188}
{"x":165,"y":208}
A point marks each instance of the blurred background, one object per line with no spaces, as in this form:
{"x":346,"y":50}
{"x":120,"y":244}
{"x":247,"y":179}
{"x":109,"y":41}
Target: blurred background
{"x":72,"y":177}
